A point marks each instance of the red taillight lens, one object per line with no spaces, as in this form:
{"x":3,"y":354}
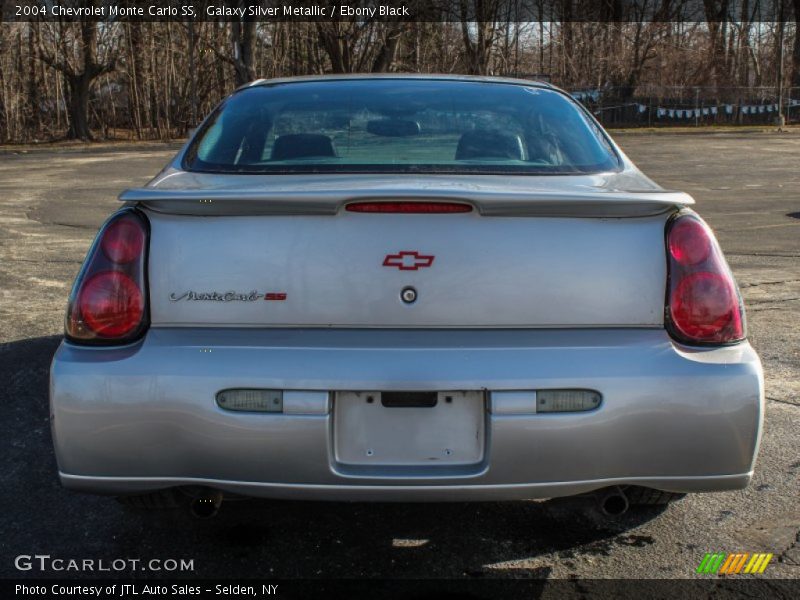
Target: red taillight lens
{"x":123,"y":241}
{"x":703,"y":302}
{"x":108,"y":304}
{"x":689,"y":243}
{"x":409,"y":207}
{"x":705,"y":307}
{"x":111,"y":304}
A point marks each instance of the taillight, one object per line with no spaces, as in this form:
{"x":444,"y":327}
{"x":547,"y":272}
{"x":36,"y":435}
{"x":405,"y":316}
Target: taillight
{"x":108,"y":304}
{"x":123,"y":241}
{"x":409,"y":207}
{"x":703,"y":302}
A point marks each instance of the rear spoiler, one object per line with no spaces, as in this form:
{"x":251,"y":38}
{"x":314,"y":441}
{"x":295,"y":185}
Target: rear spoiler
{"x":488,"y":203}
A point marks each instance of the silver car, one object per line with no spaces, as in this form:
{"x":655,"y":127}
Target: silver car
{"x":404,"y":288}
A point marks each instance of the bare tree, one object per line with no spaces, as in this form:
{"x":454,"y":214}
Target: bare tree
{"x":146,"y":80}
{"x":478,"y":31}
{"x":358,"y":46}
{"x":387,"y":49}
{"x":73,"y":51}
{"x":717,"y":17}
{"x":243,"y":37}
{"x":795,"y":77}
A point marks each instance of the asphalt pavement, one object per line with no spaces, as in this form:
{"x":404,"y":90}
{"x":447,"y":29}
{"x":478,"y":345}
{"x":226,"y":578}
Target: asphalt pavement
{"x":51,"y":203}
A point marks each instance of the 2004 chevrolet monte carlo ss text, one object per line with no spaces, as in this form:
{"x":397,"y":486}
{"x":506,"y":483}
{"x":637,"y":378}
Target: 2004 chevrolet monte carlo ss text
{"x":404,"y":288}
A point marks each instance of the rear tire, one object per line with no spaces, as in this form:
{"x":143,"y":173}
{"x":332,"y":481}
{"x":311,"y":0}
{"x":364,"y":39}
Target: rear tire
{"x":642,"y":496}
{"x":160,"y":500}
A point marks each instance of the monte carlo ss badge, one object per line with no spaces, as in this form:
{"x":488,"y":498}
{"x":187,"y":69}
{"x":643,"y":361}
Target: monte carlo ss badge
{"x":252,"y":296}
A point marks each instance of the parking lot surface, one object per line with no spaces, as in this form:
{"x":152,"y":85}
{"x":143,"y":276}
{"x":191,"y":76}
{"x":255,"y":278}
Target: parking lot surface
{"x":747,"y":186}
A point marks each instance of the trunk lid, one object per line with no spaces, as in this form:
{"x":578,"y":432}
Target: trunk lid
{"x":281,"y":251}
{"x":349,"y":270}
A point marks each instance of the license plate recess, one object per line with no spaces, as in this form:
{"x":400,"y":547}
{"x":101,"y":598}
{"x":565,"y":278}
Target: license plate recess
{"x":409,"y":428}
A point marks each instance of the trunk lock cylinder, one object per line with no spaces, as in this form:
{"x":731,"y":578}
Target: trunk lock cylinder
{"x":408,"y":295}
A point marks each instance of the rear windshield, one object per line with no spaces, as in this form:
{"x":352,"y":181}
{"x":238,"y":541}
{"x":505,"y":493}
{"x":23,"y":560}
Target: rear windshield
{"x":400,"y":126}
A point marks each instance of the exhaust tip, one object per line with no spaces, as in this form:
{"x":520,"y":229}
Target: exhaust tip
{"x":206,"y":506}
{"x":614,"y":503}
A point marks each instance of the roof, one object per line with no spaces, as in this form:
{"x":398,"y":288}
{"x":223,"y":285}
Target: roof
{"x":418,"y":76}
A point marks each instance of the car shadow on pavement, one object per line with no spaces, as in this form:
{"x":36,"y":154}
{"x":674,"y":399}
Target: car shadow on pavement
{"x":281,"y":539}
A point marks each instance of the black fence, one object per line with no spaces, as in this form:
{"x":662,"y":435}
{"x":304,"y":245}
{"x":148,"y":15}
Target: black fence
{"x":690,"y":106}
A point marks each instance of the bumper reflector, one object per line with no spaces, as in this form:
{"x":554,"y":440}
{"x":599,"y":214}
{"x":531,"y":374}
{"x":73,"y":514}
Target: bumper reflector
{"x":566,"y":400}
{"x":251,"y":400}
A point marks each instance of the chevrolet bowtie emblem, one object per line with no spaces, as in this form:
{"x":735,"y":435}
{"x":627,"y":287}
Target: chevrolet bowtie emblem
{"x":408,"y":260}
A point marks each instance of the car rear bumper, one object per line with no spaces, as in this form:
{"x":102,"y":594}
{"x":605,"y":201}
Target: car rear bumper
{"x":144,"y":417}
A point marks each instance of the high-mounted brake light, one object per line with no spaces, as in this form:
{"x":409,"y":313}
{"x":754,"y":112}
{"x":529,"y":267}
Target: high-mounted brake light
{"x":108,"y":303}
{"x":409,"y":207}
{"x":703,"y":302}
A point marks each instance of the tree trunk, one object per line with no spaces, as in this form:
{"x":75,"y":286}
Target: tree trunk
{"x":244,"y":50}
{"x":78,"y":106}
{"x":79,"y":74}
{"x":716,"y":12}
{"x":329,"y":37}
{"x":795,"y":77}
{"x":34,"y":105}
{"x":387,"y":52}
{"x":134,"y":47}
{"x":483,"y":20}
